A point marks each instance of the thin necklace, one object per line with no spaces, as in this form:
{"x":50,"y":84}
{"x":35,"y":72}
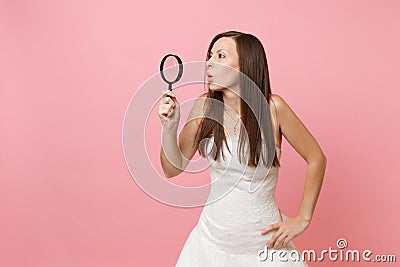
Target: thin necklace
{"x":236,"y":123}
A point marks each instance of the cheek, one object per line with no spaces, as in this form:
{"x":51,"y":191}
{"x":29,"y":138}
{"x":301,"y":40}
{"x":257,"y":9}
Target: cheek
{"x":223,"y":70}
{"x":226,"y":75}
{"x":231,"y":76}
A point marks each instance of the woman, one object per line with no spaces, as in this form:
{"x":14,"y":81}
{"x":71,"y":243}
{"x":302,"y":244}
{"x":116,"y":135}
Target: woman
{"x":241,"y":228}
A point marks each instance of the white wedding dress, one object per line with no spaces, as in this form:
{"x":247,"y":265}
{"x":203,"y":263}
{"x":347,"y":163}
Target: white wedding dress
{"x":228,"y":232}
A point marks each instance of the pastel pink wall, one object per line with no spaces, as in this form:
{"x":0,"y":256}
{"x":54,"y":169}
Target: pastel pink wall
{"x":68,"y":72}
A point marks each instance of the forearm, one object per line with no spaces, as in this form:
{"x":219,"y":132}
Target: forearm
{"x":314,"y":178}
{"x":170,"y":155}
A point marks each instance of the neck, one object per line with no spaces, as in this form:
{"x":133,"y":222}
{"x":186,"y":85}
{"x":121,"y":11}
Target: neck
{"x":232,"y":99}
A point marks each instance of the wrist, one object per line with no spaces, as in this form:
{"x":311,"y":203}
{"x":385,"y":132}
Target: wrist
{"x":304,"y":218}
{"x":169,"y":131}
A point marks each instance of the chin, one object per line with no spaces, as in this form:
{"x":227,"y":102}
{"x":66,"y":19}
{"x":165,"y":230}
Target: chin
{"x":215,"y":87}
{"x":219,"y":87}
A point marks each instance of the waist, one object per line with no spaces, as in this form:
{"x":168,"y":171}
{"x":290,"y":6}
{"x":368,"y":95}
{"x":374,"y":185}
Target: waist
{"x":237,"y":229}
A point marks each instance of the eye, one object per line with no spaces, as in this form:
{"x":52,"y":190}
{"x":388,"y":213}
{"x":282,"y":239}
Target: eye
{"x":219,"y":55}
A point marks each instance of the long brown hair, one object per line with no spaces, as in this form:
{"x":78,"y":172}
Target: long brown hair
{"x":253,"y":64}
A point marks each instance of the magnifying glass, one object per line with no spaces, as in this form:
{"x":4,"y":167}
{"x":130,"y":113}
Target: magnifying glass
{"x":178,"y":77}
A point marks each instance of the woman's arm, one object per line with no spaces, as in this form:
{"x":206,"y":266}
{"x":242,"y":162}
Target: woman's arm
{"x":305,"y":144}
{"x":298,"y":136}
{"x":171,"y":164}
{"x":176,"y":153}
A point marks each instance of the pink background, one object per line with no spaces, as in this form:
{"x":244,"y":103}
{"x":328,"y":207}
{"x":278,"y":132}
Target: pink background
{"x":70,"y":68}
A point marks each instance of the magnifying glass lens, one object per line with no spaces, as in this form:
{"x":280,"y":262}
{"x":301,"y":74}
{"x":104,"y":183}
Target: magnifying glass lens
{"x":171,"y":68}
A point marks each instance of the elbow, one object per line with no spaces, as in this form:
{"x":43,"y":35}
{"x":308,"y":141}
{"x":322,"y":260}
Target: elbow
{"x":324,"y":159}
{"x":168,"y":175}
{"x":318,"y":159}
{"x":171,"y":174}
{"x":171,"y":170}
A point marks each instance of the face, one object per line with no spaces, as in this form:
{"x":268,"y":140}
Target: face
{"x":223,"y":65}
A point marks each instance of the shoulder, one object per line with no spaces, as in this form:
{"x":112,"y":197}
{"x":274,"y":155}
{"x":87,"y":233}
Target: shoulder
{"x":197,"y":111}
{"x":201,"y":99}
{"x":284,"y":112}
{"x":276,"y":99}
{"x":280,"y":107}
{"x":278,"y":103}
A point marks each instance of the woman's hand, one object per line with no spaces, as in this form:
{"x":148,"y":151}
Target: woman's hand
{"x":288,"y":229}
{"x":169,"y":110}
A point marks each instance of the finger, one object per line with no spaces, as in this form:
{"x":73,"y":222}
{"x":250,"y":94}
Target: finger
{"x":287,"y":240}
{"x":272,"y":241}
{"x":280,"y":240}
{"x":164,"y":107}
{"x":168,"y":105}
{"x":164,"y":111}
{"x":168,"y":93}
{"x":162,"y":117}
{"x":283,"y":216}
{"x":171,"y":102}
{"x":170,"y":113}
{"x":168,"y":100}
{"x":171,"y":109}
{"x":269,"y":228}
{"x":280,"y":244}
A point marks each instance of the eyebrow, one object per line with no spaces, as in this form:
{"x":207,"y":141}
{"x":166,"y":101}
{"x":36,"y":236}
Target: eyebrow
{"x":218,"y":50}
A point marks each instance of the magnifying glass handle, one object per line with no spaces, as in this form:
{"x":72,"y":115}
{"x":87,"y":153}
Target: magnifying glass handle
{"x":169,"y":88}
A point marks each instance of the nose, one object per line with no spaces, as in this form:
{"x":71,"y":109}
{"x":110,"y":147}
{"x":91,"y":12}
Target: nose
{"x":209,"y":63}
